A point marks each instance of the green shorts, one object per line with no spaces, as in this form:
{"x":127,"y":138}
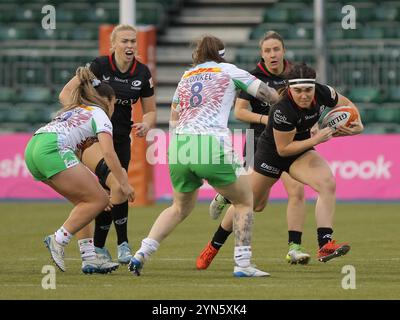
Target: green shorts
{"x":192,"y":158}
{"x":44,"y":158}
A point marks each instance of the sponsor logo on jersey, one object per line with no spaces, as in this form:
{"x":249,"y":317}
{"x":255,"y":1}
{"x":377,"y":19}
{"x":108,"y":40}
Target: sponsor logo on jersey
{"x":200,"y":70}
{"x":121,"y":80}
{"x":280,"y":118}
{"x":106,"y":79}
{"x":308,"y":117}
{"x":136,"y":85}
{"x":125,"y":102}
{"x":151,"y":83}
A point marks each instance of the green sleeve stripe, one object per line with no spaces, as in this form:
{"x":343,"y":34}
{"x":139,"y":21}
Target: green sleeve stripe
{"x":94,"y":126}
{"x":240,"y":85}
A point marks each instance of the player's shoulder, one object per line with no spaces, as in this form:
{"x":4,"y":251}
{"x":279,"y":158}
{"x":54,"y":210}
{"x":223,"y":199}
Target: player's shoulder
{"x":325,"y":90}
{"x":284,"y":105}
{"x":142,"y":66}
{"x":101,"y":60}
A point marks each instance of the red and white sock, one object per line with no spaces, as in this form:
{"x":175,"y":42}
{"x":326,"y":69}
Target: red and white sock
{"x":86,"y":248}
{"x":62,"y":236}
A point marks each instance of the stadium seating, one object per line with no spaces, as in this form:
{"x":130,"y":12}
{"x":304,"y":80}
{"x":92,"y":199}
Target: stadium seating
{"x":363,"y":64}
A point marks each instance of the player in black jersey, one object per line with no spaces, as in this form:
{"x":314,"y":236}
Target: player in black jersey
{"x":286,"y":145}
{"x":271,"y":69}
{"x":131,"y":81}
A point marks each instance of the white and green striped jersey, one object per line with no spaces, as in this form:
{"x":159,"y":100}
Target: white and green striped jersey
{"x":205,"y":96}
{"x":75,"y":126}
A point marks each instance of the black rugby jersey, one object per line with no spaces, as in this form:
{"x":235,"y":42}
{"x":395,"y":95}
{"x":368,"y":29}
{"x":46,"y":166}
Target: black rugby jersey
{"x":274,"y":81}
{"x":286,"y":115}
{"x":128,"y":87}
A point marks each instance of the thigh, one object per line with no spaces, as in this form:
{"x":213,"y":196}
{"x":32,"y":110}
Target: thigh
{"x":238,"y":192}
{"x":77,"y":184}
{"x":310,"y":168}
{"x":261,"y":186}
{"x":91,"y":156}
{"x":123,"y":150}
{"x":185,"y":200}
{"x":292,"y":186}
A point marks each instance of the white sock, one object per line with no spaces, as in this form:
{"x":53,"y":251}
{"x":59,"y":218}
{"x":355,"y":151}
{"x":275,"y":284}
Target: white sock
{"x":86,"y":248}
{"x":242,"y":256}
{"x":149,"y":246}
{"x":62,"y":236}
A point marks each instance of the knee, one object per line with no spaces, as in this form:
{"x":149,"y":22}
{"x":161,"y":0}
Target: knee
{"x":327,"y":185}
{"x":259,"y":205}
{"x":116,"y":193}
{"x":183,"y":210}
{"x":101,"y":201}
{"x":296,"y":195}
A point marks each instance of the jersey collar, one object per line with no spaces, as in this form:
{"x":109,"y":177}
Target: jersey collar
{"x":262,"y":66}
{"x":111,"y":60}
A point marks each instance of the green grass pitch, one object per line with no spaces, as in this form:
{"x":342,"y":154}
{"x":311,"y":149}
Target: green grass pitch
{"x":371,"y":229}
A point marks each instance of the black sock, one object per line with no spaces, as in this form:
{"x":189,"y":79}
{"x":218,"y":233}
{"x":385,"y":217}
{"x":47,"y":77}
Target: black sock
{"x":102,"y":225}
{"x":324,"y":236}
{"x":120,"y":216}
{"x":220,"y":237}
{"x":295,"y":237}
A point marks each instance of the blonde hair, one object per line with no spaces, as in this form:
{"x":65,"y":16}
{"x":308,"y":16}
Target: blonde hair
{"x":207,"y":48}
{"x":89,"y":92}
{"x":118,"y":28}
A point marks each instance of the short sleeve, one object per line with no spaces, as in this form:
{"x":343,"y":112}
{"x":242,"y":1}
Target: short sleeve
{"x":148,"y":86}
{"x":327,"y":95}
{"x":95,"y":67}
{"x":282,"y":120}
{"x":175,"y":98}
{"x":241,"y":78}
{"x":100,"y":122}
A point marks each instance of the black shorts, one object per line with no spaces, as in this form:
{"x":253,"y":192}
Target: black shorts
{"x":249,"y":158}
{"x":269,"y":163}
{"x":122,"y":147}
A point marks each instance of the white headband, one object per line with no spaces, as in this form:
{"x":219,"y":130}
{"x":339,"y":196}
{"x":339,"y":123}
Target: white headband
{"x":221,"y":52}
{"x":301,"y":83}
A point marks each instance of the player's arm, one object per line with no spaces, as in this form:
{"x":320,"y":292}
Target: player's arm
{"x":113,"y":163}
{"x":149,"y":116}
{"x":263,"y":92}
{"x":242,"y":113}
{"x":174,"y":115}
{"x":356,"y":126}
{"x":287,"y":147}
{"x":65,"y":93}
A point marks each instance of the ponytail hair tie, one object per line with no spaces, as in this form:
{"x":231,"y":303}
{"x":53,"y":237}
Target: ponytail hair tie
{"x":95,"y":83}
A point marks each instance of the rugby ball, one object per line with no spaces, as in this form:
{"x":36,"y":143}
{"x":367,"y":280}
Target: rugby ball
{"x":339,"y":116}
